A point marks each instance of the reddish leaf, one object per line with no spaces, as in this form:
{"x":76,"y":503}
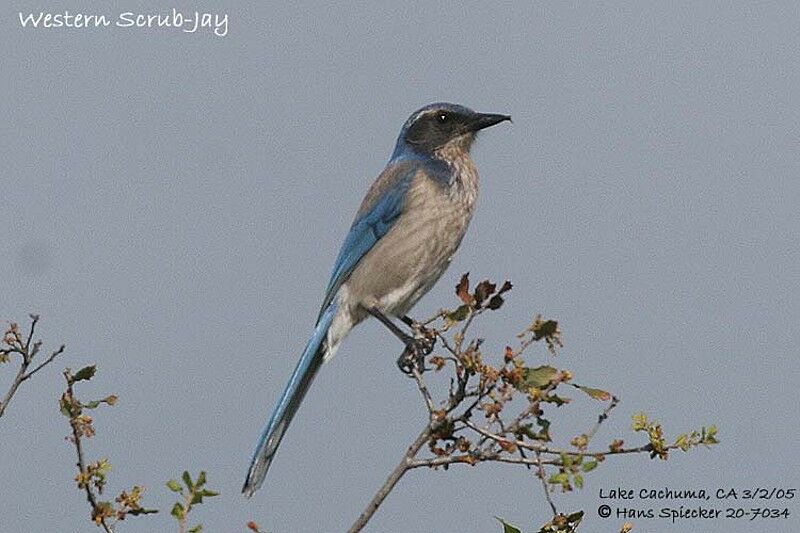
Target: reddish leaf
{"x":508,"y":446}
{"x":509,"y":354}
{"x":462,"y":289}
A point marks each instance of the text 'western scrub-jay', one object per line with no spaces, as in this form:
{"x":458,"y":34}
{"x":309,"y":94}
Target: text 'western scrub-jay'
{"x":404,"y":235}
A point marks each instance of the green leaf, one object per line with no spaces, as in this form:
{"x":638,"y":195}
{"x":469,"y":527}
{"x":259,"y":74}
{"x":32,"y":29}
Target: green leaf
{"x":539,"y":377}
{"x":589,"y":466}
{"x":556,"y":399}
{"x":495,"y":302}
{"x":548,"y":328}
{"x":187,"y":479}
{"x":178,"y":511}
{"x":137,"y":512}
{"x":507,"y":528}
{"x":65,"y":406}
{"x":640,"y":422}
{"x":709,"y":435}
{"x":84,"y":374}
{"x":597,"y":394}
{"x":544,"y":432}
{"x":196,"y":529}
{"x":682,"y":441}
{"x":526,"y":430}
{"x":458,"y":315}
{"x":578,"y":480}
{"x":174,"y":485}
{"x":201,"y":479}
{"x":209,"y":493}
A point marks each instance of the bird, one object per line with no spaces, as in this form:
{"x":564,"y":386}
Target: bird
{"x":410,"y":223}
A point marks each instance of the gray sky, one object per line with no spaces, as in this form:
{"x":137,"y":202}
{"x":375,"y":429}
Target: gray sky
{"x":173,"y":202}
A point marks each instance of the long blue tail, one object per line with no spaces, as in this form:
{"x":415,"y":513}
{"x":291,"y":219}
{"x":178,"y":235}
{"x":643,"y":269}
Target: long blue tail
{"x":290,"y":400}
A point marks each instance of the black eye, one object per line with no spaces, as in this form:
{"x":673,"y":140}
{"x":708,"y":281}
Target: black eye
{"x":442,"y":117}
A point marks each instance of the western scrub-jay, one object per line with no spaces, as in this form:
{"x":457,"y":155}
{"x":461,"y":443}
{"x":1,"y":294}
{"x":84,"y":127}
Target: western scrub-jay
{"x":404,"y":235}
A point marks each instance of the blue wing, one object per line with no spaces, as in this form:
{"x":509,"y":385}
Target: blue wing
{"x":381,"y":208}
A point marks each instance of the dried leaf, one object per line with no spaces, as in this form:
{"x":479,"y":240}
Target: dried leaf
{"x":484,"y":289}
{"x":462,"y":289}
{"x":597,"y":394}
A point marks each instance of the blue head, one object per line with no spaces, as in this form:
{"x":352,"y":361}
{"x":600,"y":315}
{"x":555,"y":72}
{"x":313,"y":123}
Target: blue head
{"x":442,"y":128}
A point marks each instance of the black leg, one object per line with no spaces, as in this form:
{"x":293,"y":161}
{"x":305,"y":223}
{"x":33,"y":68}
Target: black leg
{"x":386,"y":321}
{"x":417,"y":347}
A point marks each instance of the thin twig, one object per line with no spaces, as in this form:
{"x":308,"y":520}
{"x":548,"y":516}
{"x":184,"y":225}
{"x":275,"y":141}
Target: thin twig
{"x":602,"y":418}
{"x":27,"y":352}
{"x":446,"y":343}
{"x":18,"y":379}
{"x":423,"y":389}
{"x":553,"y":451}
{"x":543,"y":477}
{"x":478,"y":457}
{"x":76,"y":439}
{"x":34,"y":321}
{"x":45,"y":362}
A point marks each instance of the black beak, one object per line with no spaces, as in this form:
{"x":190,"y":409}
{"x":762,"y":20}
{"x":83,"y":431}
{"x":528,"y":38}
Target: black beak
{"x":486,"y":120}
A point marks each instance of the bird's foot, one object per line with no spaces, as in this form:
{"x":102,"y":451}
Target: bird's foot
{"x":417,"y":348}
{"x":420,"y":330}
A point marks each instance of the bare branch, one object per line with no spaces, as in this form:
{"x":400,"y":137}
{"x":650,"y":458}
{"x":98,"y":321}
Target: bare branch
{"x":423,"y":389}
{"x":34,"y":321}
{"x":543,"y":477}
{"x":27,"y":351}
{"x":18,"y":379}
{"x":45,"y":362}
{"x":602,"y":418}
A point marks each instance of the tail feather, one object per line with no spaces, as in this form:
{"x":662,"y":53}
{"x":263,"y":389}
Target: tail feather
{"x":290,"y":400}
